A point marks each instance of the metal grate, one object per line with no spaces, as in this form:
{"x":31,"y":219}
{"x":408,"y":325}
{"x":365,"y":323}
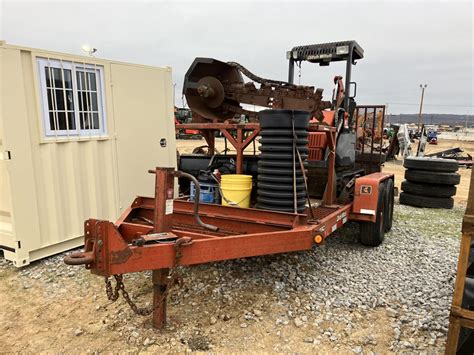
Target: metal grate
{"x":370,"y":133}
{"x":320,"y":212}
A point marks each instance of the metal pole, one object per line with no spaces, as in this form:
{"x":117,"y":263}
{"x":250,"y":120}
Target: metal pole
{"x":174,"y":95}
{"x":162,"y":221}
{"x":348,"y":79}
{"x":291,"y":70}
{"x":423,"y":87}
{"x":160,"y":280}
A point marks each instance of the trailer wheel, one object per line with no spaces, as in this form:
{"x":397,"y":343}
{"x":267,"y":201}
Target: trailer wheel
{"x":389,"y":202}
{"x":372,"y":234}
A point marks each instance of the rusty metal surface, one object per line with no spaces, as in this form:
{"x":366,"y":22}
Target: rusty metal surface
{"x":234,"y":134}
{"x":329,"y":195}
{"x":243,"y":233}
{"x":79,"y":258}
{"x":369,"y":125}
{"x":158,"y":256}
{"x":209,"y":247}
{"x":160,"y":285}
{"x":120,"y":256}
{"x":163,"y":213}
{"x":215,"y":90}
{"x":321,"y":212}
{"x":148,"y":237}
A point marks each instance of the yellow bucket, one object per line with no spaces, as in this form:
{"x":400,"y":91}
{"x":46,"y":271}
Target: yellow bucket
{"x":236,"y":189}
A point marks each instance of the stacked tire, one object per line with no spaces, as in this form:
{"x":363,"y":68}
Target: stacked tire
{"x":430,"y":182}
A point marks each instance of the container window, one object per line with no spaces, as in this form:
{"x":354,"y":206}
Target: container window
{"x":72,"y":98}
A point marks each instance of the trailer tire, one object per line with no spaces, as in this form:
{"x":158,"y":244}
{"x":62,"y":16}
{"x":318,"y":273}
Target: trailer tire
{"x":429,"y":190}
{"x":372,"y":234}
{"x":431,"y":164}
{"x":426,"y":201}
{"x":389,"y":202}
{"x":432,"y":177}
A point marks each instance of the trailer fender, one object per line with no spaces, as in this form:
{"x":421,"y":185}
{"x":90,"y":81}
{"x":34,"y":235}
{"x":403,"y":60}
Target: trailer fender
{"x":366,"y":194}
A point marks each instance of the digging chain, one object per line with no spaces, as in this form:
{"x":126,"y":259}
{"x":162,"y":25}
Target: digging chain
{"x":258,"y":79}
{"x":173,"y":278}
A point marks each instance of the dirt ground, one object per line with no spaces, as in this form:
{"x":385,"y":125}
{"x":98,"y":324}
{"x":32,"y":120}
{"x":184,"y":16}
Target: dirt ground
{"x":53,"y":308}
{"x":71,"y":314}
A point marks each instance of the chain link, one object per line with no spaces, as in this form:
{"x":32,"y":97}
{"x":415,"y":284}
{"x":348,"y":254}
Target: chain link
{"x":256,"y":78}
{"x":173,"y":278}
{"x":113,"y":295}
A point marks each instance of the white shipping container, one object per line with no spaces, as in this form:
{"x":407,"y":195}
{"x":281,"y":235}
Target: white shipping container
{"x":77,"y":136}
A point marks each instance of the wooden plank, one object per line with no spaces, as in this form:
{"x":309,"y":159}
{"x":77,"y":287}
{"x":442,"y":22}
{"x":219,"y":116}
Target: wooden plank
{"x":453,"y":336}
{"x":468,"y":221}
{"x":461,"y":271}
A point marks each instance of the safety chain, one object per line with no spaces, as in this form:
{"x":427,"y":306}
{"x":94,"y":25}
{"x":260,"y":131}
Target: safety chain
{"x":173,"y":278}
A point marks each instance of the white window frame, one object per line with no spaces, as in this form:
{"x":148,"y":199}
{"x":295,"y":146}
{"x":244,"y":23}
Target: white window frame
{"x":74,"y":67}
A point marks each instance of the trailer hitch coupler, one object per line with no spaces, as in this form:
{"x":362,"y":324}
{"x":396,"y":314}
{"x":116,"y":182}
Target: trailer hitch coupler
{"x":79,"y":258}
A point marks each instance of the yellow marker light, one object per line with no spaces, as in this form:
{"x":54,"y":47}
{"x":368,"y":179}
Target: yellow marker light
{"x":318,"y":239}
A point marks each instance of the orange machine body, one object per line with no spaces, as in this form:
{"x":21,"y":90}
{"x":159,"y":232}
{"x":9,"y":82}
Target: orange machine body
{"x":366,"y":196}
{"x":317,"y":142}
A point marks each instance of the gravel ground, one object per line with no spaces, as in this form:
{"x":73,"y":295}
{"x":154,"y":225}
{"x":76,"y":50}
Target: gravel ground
{"x":339,"y":297}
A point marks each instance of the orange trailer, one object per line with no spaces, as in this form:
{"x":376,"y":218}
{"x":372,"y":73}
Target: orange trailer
{"x":161,"y":233}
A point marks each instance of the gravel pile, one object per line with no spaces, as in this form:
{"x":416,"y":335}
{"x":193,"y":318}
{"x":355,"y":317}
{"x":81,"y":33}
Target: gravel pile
{"x":325,"y":293}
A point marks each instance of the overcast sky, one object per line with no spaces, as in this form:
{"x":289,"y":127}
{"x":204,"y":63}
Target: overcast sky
{"x":406,"y":43}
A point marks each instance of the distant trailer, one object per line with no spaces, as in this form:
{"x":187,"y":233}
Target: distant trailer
{"x":77,"y":135}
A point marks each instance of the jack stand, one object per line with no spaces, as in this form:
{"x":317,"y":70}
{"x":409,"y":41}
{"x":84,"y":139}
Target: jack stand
{"x":160,"y":285}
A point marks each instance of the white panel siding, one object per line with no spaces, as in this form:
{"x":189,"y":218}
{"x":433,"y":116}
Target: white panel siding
{"x":77,"y":182}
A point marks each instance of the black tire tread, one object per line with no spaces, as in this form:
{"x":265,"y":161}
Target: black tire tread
{"x":429,"y":190}
{"x":389,"y":204}
{"x":431,"y":164}
{"x":432,"y":177}
{"x":425,"y":201}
